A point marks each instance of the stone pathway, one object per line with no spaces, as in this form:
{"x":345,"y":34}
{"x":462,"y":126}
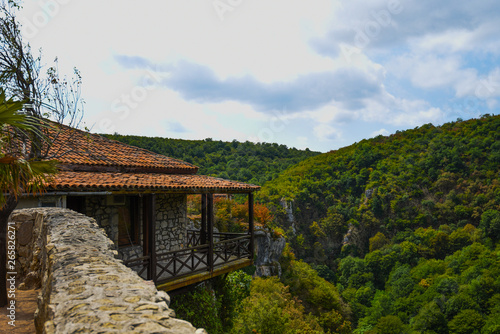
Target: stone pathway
{"x":26,"y":304}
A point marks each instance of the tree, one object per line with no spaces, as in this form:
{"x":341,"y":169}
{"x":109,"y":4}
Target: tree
{"x":41,"y":97}
{"x":271,"y":308}
{"x":390,"y":325}
{"x":378,"y":241}
{"x":430,"y":317}
{"x":49,"y":96}
{"x":490,"y":223}
{"x":466,"y":322}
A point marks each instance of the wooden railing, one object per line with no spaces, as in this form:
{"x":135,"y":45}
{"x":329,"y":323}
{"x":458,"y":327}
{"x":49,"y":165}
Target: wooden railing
{"x":194,"y":237}
{"x":232,"y":249}
{"x":197,"y":258}
{"x":185,"y":261}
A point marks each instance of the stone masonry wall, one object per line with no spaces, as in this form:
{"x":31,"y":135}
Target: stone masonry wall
{"x":85,"y":289}
{"x":107,"y":218}
{"x":171,"y":221}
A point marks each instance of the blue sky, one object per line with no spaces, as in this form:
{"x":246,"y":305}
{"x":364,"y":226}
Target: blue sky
{"x":321,"y":74}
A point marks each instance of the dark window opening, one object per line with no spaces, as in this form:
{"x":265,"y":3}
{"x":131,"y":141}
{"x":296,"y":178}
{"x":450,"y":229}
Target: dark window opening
{"x":76,"y":203}
{"x":128,"y":222}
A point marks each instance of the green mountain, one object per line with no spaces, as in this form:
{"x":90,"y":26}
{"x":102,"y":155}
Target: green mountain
{"x":246,"y":162}
{"x":406,"y":226}
{"x":405,"y":229}
{"x":428,"y":176}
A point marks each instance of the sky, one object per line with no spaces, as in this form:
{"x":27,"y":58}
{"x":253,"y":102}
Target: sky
{"x":317,"y":74}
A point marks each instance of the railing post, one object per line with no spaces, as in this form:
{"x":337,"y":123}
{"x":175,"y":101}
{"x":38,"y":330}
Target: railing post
{"x":250,"y":224}
{"x":210,"y":230}
{"x":149,"y":223}
{"x":146,"y":221}
{"x":152,"y":238}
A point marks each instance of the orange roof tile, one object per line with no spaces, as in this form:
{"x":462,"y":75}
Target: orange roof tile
{"x":80,"y":149}
{"x":89,"y":181}
{"x":92,"y":162}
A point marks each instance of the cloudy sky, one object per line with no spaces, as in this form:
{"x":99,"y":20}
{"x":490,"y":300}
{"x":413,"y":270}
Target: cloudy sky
{"x":318,"y":74}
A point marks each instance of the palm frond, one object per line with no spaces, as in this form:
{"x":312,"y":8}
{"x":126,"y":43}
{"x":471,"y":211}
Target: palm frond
{"x":17,"y":174}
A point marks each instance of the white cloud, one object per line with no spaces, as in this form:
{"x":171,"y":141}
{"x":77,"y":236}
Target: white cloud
{"x":434,"y":71}
{"x":480,"y":39}
{"x":325,"y":132}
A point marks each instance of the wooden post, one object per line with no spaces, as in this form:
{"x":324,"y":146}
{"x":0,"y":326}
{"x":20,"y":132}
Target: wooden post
{"x":203,"y":230}
{"x":250,"y":224}
{"x":146,"y":222}
{"x":210,"y":231}
{"x":151,"y":208}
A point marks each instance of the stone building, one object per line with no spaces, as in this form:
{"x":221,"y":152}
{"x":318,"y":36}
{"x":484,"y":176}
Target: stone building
{"x":139,"y":198}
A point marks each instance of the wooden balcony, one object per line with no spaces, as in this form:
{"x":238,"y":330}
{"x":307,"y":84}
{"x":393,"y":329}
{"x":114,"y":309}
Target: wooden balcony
{"x":207,"y":255}
{"x":179,"y":268}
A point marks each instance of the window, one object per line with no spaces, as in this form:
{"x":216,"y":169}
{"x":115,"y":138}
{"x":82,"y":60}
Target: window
{"x":76,"y":203}
{"x":128,"y":222}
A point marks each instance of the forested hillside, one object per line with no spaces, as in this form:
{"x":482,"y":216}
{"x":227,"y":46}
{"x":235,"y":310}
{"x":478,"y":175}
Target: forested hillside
{"x":247,"y":162}
{"x":407,"y":226}
{"x":396,"y":234}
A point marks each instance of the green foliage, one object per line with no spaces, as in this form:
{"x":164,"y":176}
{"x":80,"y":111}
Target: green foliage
{"x":378,"y":241}
{"x":239,"y":286}
{"x":466,"y":322}
{"x":271,"y":308}
{"x":326,"y":273}
{"x":317,"y":294}
{"x":405,"y":228}
{"x":425,"y":177}
{"x":18,"y":174}
{"x":492,"y":324}
{"x":390,"y":325}
{"x":354,"y":272}
{"x":430,"y":318}
{"x":205,"y":314}
{"x":490,"y":224}
{"x":217,"y":303}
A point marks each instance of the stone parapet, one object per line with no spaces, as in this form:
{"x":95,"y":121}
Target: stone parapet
{"x":84,"y":287}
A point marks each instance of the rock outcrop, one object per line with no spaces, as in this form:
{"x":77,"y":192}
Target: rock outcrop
{"x":268,"y":250}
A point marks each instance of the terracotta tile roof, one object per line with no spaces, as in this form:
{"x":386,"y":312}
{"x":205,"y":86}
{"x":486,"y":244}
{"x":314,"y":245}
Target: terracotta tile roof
{"x":80,"y":150}
{"x":90,"y":181}
{"x":91,"y":162}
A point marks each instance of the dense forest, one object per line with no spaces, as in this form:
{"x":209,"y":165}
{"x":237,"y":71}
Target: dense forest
{"x":246,"y":162}
{"x":395,"y":234}
{"x":406,"y":226}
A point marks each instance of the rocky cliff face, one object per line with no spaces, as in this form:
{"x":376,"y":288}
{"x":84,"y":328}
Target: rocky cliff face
{"x":268,"y":251}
